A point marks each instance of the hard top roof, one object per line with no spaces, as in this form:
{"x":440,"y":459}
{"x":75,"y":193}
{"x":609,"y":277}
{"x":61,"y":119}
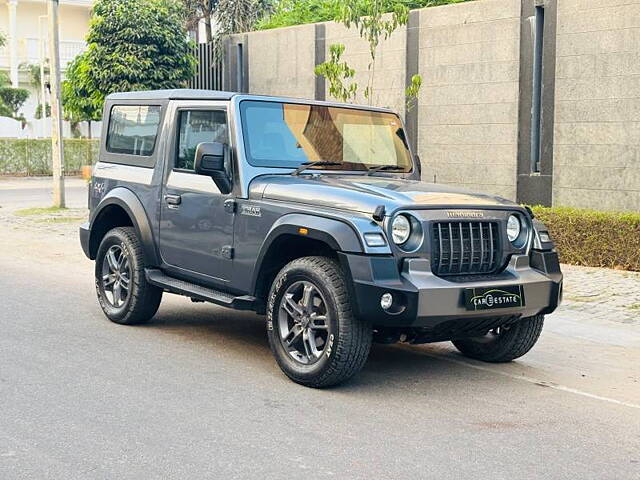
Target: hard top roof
{"x":175,"y":94}
{"x":194,"y":94}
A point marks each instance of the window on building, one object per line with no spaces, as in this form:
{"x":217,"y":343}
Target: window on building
{"x":133,"y":129}
{"x":196,"y":127}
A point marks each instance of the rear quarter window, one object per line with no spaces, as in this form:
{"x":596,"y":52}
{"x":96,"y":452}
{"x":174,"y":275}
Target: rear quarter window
{"x":133,"y":129}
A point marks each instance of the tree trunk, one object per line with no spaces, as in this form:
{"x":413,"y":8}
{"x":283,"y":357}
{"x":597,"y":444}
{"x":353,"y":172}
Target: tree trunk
{"x":89,"y":124}
{"x":207,"y":24}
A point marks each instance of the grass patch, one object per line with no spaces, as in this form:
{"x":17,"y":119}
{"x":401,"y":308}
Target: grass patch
{"x":60,"y":220}
{"x":26,"y":212}
{"x":592,"y":238}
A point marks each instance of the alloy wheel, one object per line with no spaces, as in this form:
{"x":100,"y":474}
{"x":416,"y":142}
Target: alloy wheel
{"x":116,"y":276}
{"x":303,"y":323}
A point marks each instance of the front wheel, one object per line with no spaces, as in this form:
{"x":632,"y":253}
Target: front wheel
{"x":505,"y":343}
{"x":316,"y":339}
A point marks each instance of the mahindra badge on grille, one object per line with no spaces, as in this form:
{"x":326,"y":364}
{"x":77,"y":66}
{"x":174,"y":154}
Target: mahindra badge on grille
{"x":464,"y":214}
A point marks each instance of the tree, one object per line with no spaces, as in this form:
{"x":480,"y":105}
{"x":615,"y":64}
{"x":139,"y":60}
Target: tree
{"x":338,"y":72}
{"x":76,"y":93}
{"x":368,"y":16}
{"x":229,"y":16}
{"x":34,"y":75}
{"x":197,"y":10}
{"x":134,"y":45}
{"x":237,"y":16}
{"x":38,"y":114}
{"x":287,"y":13}
{"x":11,"y":99}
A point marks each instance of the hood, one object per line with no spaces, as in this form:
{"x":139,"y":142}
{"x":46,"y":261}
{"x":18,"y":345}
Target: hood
{"x":363,"y":193}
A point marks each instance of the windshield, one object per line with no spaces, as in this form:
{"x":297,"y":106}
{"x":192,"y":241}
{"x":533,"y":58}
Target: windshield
{"x":287,"y":134}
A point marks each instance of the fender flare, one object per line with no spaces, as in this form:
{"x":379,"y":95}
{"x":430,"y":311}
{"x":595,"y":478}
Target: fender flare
{"x":339,"y":235}
{"x":131,"y":204}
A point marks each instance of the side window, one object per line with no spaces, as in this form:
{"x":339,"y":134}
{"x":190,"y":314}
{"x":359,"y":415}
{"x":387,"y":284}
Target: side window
{"x":198,"y":126}
{"x":133,"y":129}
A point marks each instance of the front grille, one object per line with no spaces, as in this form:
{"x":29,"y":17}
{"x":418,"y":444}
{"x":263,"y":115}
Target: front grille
{"x":462,"y":248}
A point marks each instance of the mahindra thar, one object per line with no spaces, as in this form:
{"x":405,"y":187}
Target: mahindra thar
{"x":313,"y":214}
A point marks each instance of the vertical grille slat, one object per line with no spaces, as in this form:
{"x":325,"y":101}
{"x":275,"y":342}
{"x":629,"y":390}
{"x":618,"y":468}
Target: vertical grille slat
{"x":481,"y":248}
{"x":450,"y":248}
{"x":472,"y":249}
{"x":465,"y":247}
{"x":491,"y":249}
{"x":440,"y":250}
{"x":461,"y":265}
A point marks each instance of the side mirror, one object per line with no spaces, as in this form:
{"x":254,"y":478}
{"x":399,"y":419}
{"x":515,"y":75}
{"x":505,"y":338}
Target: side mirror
{"x":416,"y":159}
{"x":212,"y":160}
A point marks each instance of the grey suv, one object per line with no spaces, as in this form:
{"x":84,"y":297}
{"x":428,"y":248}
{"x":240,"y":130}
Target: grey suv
{"x":312,"y":213}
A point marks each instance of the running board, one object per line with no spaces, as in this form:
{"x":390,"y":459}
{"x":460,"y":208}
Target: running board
{"x":182,"y":287}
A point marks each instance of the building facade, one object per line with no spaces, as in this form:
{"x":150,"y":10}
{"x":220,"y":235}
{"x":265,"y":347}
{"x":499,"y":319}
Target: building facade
{"x":24,"y":24}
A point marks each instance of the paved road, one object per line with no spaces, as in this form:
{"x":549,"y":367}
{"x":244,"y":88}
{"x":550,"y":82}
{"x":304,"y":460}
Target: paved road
{"x":17,"y":192}
{"x":196,"y":394}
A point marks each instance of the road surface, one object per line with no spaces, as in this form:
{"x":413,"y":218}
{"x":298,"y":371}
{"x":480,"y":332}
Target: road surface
{"x":197,"y":394}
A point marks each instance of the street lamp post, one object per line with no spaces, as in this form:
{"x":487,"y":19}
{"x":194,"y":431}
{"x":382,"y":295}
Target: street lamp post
{"x":57,"y":152}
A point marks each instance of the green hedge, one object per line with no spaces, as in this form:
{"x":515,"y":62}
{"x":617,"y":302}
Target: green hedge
{"x":33,"y":156}
{"x":592,"y":238}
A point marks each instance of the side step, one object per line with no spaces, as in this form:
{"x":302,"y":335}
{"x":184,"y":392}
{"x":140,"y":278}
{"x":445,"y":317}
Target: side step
{"x":182,"y":287}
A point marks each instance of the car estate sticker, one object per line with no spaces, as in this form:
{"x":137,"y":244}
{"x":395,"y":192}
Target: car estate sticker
{"x":494,"y":297}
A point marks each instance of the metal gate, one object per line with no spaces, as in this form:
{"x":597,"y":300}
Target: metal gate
{"x":210,"y":70}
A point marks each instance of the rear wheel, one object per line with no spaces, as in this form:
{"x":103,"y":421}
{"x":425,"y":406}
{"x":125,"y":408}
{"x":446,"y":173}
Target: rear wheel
{"x":123,"y":291}
{"x":505,"y":343}
{"x":312,"y":331}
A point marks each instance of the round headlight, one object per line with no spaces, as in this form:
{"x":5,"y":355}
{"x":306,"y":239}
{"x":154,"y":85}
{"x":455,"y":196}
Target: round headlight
{"x":513,"y":228}
{"x":400,"y":229}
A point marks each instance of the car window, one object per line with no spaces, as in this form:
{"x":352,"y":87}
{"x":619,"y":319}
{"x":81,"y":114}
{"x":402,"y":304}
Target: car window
{"x":133,"y":129}
{"x":286,"y":135}
{"x":196,"y":127}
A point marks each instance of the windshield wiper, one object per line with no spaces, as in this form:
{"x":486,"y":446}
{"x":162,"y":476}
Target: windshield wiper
{"x":383,"y":168}
{"x":317,"y":163}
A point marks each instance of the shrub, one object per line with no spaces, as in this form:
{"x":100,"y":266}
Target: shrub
{"x":593,"y":238}
{"x":33,"y":156}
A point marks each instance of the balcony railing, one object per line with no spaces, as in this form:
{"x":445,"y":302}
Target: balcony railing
{"x":29,"y":52}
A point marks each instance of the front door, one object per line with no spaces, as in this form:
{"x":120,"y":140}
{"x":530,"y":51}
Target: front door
{"x":196,"y":233}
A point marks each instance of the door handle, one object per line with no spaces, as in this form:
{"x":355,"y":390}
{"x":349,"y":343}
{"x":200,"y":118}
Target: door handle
{"x":173,"y":199}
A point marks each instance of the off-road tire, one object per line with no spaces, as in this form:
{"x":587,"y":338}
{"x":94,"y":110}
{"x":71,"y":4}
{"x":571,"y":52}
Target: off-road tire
{"x":513,"y":342}
{"x":144,"y":299}
{"x":351,"y":341}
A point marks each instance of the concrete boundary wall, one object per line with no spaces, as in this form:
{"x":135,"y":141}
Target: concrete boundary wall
{"x":468,"y":117}
{"x":474,"y":125}
{"x":597,"y":128}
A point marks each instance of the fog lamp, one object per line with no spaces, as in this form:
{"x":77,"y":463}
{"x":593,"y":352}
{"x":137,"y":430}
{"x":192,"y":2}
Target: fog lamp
{"x":386,"y":300}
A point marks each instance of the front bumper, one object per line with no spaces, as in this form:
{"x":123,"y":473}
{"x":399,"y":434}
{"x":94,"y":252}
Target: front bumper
{"x":428,"y":301}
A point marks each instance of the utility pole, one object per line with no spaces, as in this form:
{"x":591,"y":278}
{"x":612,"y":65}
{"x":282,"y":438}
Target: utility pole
{"x":57,"y":152}
{"x":43,"y":88}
